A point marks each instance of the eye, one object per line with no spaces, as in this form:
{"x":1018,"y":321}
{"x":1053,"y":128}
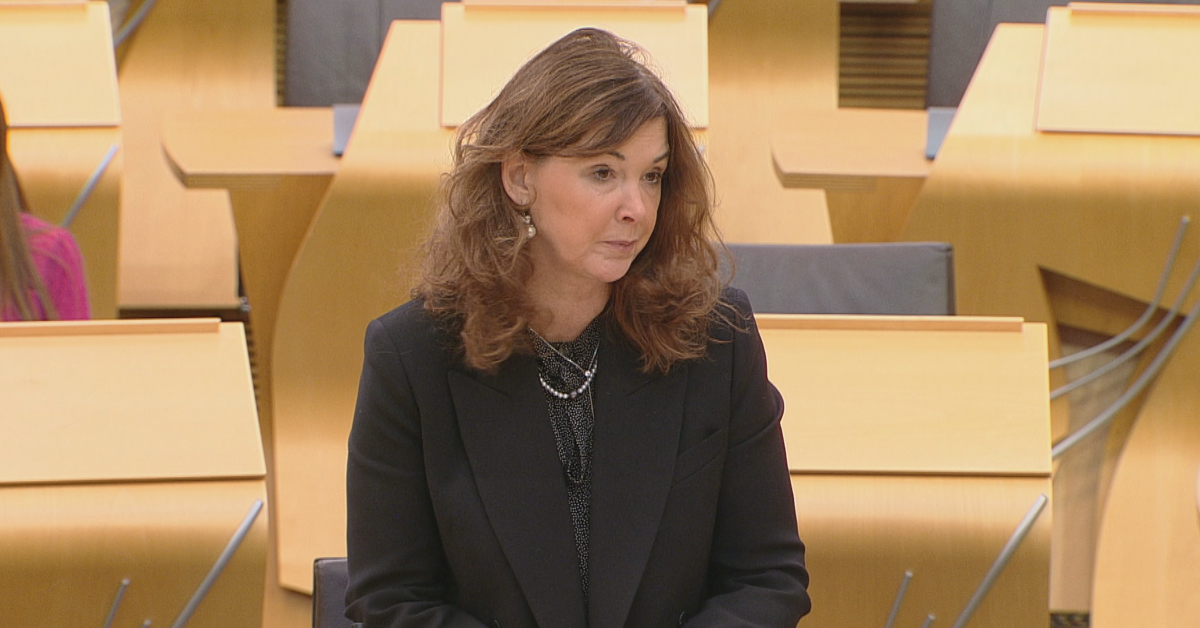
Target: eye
{"x":654,"y":178}
{"x":603,"y":173}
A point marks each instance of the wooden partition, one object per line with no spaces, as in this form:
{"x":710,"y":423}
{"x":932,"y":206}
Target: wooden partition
{"x":178,"y":246}
{"x":129,"y":452}
{"x":768,"y":61}
{"x":59,"y":86}
{"x":1073,"y":229}
{"x":917,"y":445}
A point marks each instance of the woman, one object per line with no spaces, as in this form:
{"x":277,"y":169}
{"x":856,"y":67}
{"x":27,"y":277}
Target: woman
{"x":571,"y":425}
{"x":41,"y":270}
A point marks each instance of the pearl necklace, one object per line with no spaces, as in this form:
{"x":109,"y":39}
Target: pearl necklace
{"x":588,"y":374}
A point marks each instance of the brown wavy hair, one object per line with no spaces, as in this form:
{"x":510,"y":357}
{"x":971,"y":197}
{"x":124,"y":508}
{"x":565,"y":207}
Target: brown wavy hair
{"x":18,"y":273}
{"x":584,"y":95}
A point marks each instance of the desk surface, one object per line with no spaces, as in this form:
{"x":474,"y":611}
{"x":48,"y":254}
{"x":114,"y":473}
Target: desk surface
{"x":231,"y":148}
{"x":832,"y":148}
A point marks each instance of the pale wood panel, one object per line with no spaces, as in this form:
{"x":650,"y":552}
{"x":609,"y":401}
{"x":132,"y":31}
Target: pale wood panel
{"x":178,"y":247}
{"x":54,"y":165}
{"x":353,"y":265}
{"x":1102,"y":209}
{"x":912,"y":400}
{"x":1135,"y":62}
{"x":56,"y":65}
{"x":768,"y":61}
{"x":870,"y":163}
{"x":484,"y":43}
{"x":140,"y":406}
{"x":68,"y":547}
{"x":864,"y":532}
{"x":848,"y":148}
{"x":277,"y":165}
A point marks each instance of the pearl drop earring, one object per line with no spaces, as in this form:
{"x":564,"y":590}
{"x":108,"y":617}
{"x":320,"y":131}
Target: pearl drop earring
{"x":529,"y":228}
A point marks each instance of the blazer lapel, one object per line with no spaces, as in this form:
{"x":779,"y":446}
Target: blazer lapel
{"x":505,"y":425}
{"x":636,"y":435}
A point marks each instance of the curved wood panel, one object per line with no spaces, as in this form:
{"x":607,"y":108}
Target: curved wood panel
{"x":1103,"y":210}
{"x":178,"y":247}
{"x":67,"y":548}
{"x":767,"y":61}
{"x":864,"y":532}
{"x":354,"y":265}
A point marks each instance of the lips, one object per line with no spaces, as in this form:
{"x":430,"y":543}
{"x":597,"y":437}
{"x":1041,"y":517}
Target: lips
{"x":622,"y":245}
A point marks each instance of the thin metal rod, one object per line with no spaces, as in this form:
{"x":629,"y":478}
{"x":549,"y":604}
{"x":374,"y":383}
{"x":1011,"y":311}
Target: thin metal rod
{"x":88,"y":187}
{"x":1149,"y":311}
{"x":219,"y":566}
{"x":712,"y":7}
{"x":899,"y":599}
{"x":133,"y":23}
{"x":928,"y":621}
{"x":112,"y":612}
{"x":1002,"y":560}
{"x":1141,"y":344}
{"x":1065,"y":445}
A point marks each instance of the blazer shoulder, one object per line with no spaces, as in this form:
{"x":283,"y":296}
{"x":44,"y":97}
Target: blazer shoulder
{"x":410,"y":328}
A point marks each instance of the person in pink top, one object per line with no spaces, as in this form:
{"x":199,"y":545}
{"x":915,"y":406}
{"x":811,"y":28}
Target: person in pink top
{"x":41,"y":269}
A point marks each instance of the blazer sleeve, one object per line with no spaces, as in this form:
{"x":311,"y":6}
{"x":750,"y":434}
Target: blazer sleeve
{"x":757,"y":575}
{"x":398,"y":572}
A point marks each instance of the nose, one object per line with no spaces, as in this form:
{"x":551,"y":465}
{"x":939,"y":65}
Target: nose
{"x":634,"y":204}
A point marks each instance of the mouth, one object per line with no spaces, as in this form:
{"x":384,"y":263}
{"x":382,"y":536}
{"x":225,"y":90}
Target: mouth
{"x":622,"y":245}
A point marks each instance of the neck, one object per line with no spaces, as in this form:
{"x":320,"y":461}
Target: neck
{"x":562,"y":314}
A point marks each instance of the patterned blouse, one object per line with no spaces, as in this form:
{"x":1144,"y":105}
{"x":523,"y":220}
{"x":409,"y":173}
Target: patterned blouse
{"x":566,"y":368}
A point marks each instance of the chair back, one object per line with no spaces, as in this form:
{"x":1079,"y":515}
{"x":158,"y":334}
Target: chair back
{"x":893,"y":278}
{"x":329,"y":594}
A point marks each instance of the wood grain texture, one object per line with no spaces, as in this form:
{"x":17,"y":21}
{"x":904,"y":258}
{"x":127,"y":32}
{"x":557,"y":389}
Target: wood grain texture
{"x":768,"y":62}
{"x":901,"y":399}
{"x":870,"y":163}
{"x":864,"y":532}
{"x":1102,"y":210}
{"x":127,"y":406}
{"x":277,"y":165}
{"x":1133,"y":61}
{"x":353,"y":265}
{"x":68,"y":547}
{"x":132,"y":456}
{"x":178,"y":247}
{"x":484,"y":44}
{"x":56,"y":65}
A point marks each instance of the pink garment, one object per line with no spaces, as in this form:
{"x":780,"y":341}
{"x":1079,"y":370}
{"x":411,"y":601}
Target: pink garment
{"x":57,"y":258}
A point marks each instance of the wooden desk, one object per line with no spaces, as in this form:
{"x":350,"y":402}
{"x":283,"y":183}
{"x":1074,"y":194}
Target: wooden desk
{"x":131,"y":451}
{"x":1068,"y":228}
{"x":277,"y":165}
{"x":870,"y":163}
{"x":916,"y":444}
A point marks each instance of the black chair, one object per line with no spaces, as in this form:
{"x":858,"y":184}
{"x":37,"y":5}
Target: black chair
{"x":329,"y":594}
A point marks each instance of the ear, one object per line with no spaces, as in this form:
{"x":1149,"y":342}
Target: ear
{"x":515,"y":172}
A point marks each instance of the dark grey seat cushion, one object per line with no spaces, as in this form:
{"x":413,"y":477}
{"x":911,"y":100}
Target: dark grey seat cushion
{"x":902,"y":278}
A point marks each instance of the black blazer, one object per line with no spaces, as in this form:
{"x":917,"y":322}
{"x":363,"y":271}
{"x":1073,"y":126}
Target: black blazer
{"x":457,"y":502}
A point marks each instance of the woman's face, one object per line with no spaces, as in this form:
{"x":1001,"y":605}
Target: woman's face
{"x":593,"y":214}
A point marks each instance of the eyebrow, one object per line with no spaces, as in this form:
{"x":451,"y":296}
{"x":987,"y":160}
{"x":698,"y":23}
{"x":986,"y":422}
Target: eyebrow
{"x":661,"y":157}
